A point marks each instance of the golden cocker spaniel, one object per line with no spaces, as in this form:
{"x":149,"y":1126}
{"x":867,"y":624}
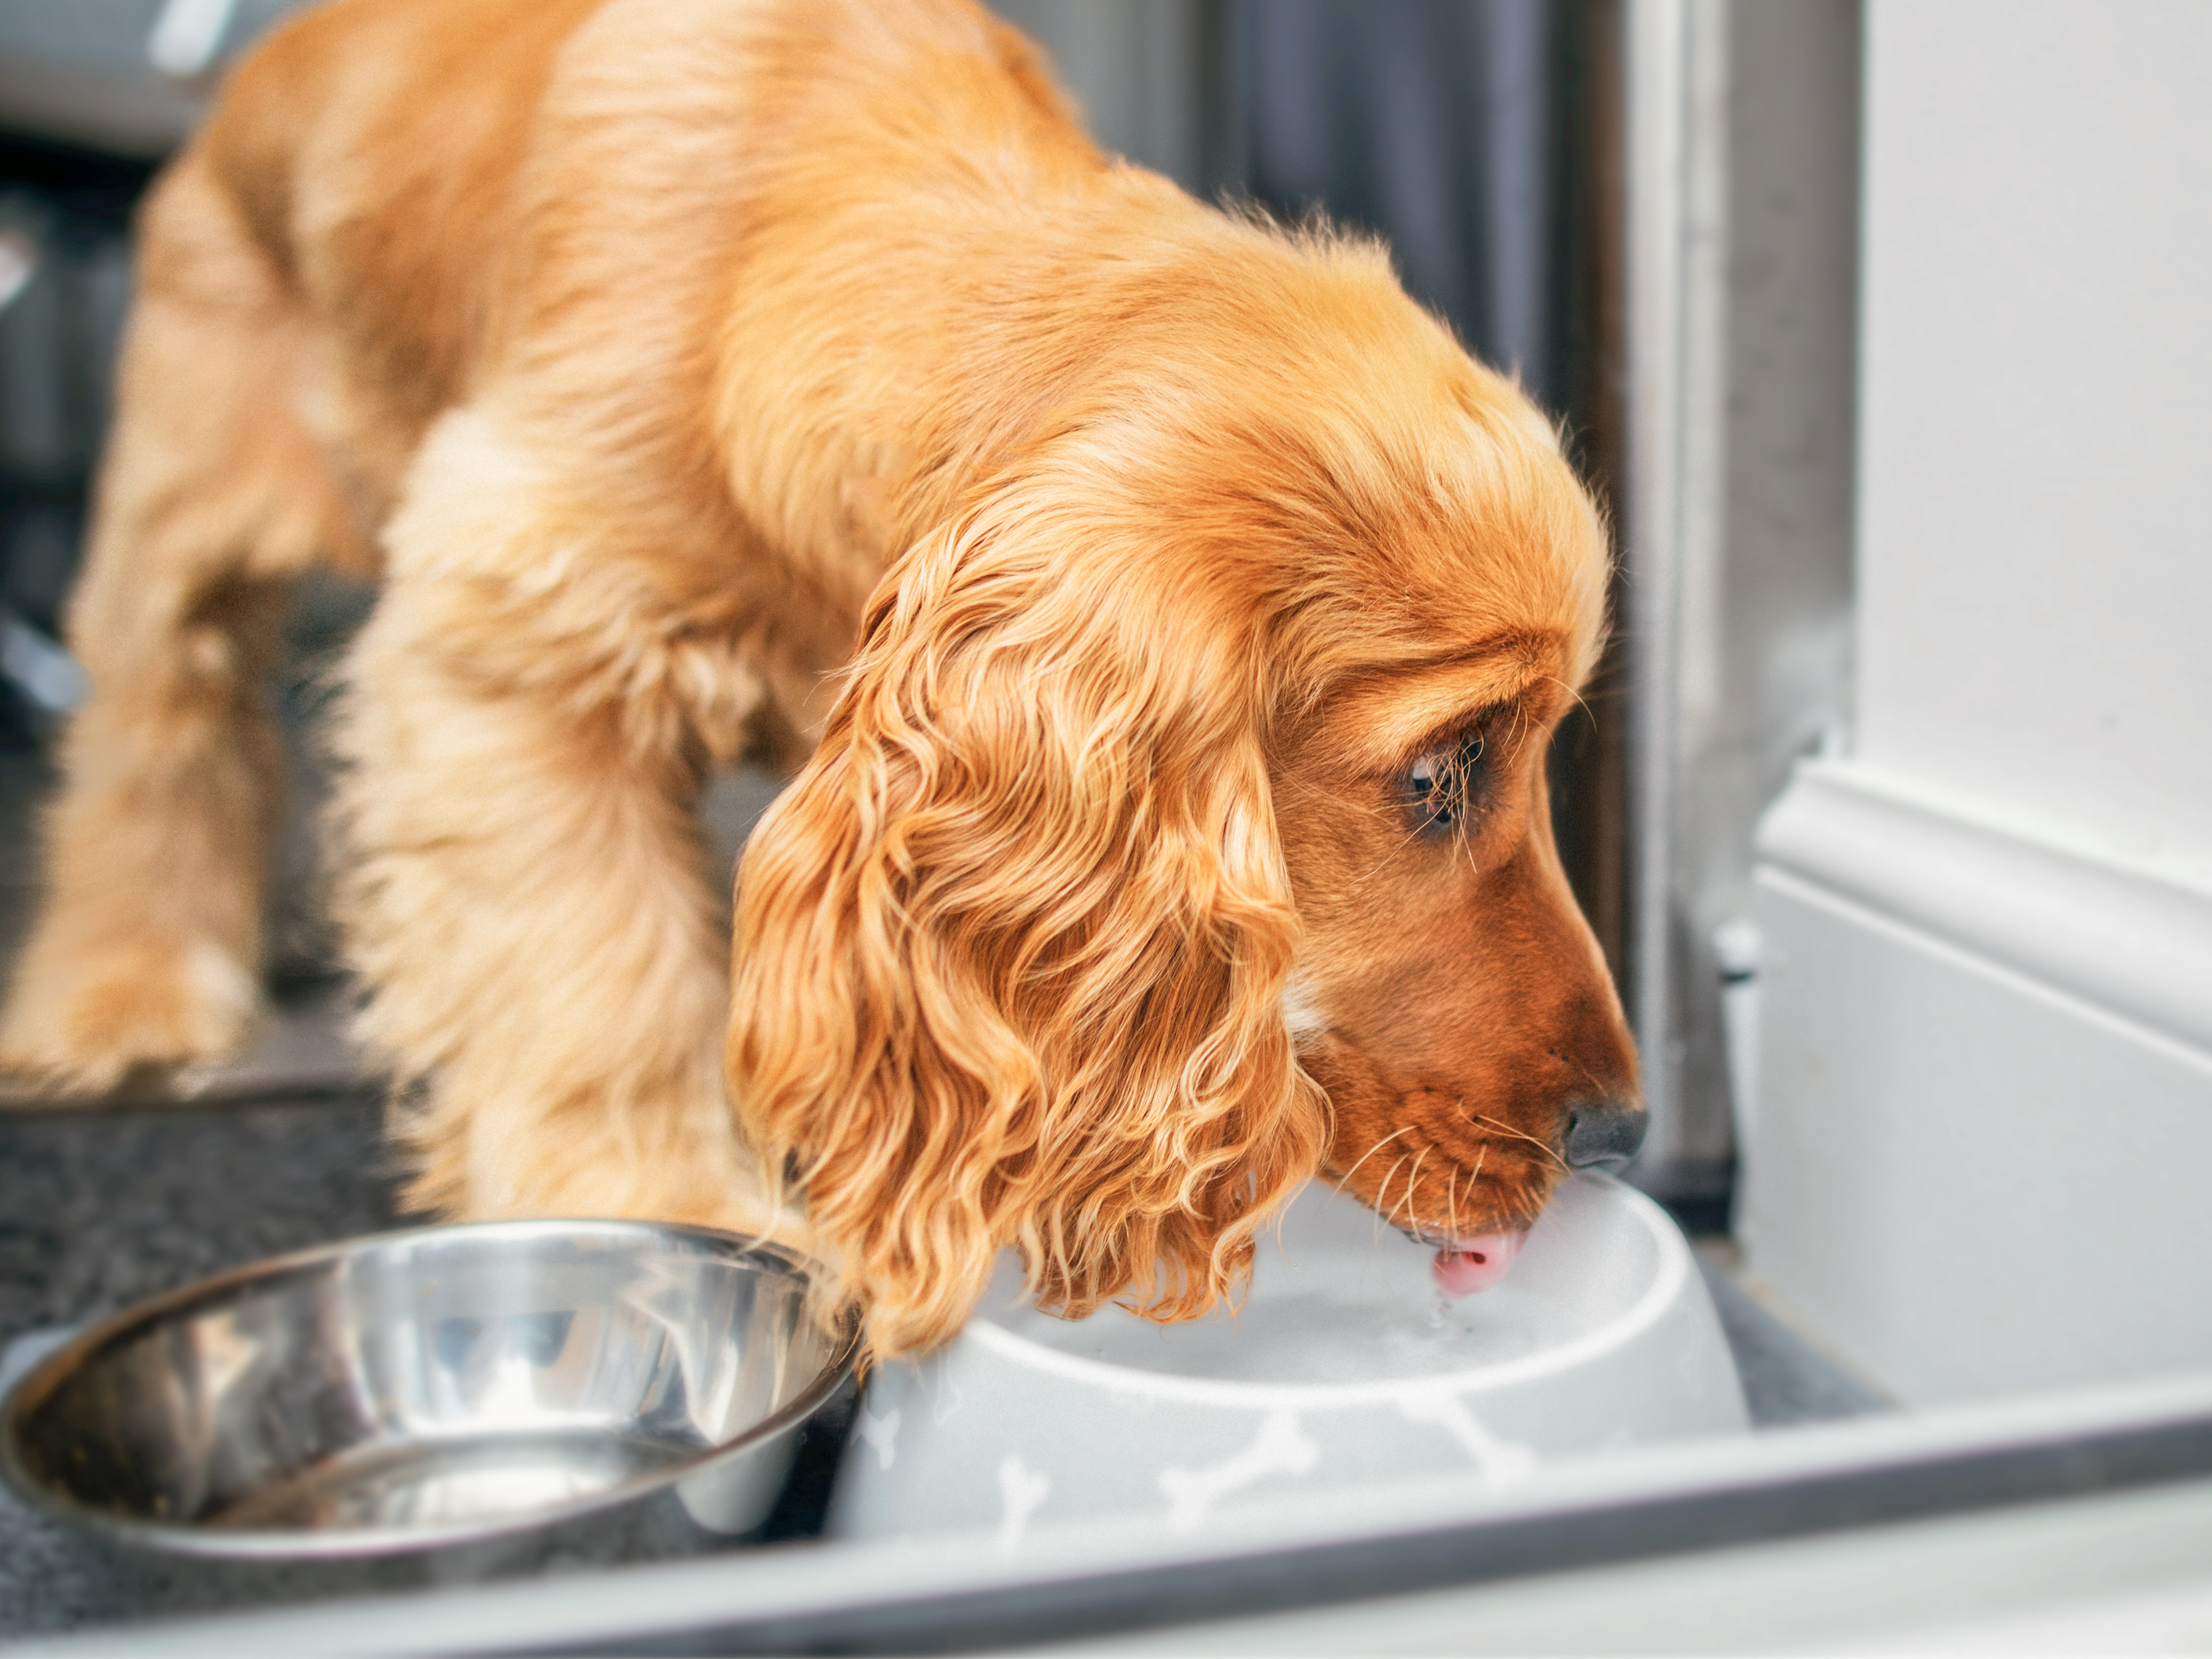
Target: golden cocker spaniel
{"x":1175,"y":616}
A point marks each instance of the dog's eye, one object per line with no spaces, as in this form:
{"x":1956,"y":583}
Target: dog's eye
{"x":1443,"y":786}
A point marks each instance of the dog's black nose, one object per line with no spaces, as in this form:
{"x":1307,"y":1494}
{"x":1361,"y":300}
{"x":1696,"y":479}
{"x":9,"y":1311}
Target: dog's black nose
{"x":1603,"y":1136}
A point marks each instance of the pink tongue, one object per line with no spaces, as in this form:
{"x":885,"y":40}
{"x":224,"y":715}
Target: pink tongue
{"x":1468,"y":1265}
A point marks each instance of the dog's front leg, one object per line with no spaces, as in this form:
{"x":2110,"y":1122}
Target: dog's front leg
{"x":212,"y":497}
{"x":527,"y":896}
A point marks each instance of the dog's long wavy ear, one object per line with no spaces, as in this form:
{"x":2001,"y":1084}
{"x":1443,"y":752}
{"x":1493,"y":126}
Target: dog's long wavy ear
{"x":1009,"y":952}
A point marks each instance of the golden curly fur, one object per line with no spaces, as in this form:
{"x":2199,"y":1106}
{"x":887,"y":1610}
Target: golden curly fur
{"x":1175,"y":614}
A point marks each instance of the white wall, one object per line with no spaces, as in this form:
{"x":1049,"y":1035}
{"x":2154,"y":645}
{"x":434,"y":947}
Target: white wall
{"x":2035,"y":554}
{"x":1982,"y":1154}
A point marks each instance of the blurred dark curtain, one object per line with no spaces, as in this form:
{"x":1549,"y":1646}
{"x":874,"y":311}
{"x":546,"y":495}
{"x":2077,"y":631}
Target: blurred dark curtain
{"x":1476,"y":137}
{"x":64,"y":286}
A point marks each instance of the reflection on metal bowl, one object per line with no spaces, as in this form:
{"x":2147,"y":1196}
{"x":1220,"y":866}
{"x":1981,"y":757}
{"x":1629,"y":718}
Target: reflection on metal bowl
{"x":442,"y":1402}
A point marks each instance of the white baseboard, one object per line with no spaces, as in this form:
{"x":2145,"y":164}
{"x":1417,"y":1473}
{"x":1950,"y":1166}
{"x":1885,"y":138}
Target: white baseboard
{"x":2125,"y":937}
{"x":1981,"y":1156}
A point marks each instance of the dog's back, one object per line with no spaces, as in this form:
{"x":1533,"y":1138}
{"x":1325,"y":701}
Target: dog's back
{"x":372,"y":151}
{"x":427,"y":178}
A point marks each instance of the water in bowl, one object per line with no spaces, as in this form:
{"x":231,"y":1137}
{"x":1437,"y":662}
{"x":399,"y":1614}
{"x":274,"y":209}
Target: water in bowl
{"x":1338,"y":1298}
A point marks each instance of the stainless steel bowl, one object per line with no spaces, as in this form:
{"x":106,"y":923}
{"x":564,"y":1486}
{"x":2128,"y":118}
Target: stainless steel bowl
{"x":442,"y":1387}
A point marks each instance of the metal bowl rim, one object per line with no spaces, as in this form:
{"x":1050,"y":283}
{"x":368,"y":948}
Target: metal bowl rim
{"x":265,"y":1545}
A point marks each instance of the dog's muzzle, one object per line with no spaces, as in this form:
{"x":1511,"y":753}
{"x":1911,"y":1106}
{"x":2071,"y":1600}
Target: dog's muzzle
{"x":1603,"y":1136}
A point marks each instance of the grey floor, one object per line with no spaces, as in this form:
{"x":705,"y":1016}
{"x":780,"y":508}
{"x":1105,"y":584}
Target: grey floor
{"x":103,"y":1205}
{"x":100,"y":1209}
{"x":1786,"y":1378}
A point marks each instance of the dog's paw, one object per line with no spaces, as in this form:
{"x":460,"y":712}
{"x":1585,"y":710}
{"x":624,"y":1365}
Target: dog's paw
{"x":77,"y":1027}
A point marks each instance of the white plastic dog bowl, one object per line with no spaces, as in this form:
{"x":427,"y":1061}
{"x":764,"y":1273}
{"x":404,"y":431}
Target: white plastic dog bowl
{"x":1344,"y":1366}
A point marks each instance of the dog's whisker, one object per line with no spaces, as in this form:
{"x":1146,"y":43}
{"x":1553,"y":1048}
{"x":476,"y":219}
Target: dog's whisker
{"x":1413,"y":1178}
{"x":1581,"y":701}
{"x":1508,"y":1129}
{"x":1345,"y":1183}
{"x":1384,"y":1189}
{"x":1589,"y":1075}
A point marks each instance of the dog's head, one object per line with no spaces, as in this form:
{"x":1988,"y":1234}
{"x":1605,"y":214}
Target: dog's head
{"x":1182,"y":829}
